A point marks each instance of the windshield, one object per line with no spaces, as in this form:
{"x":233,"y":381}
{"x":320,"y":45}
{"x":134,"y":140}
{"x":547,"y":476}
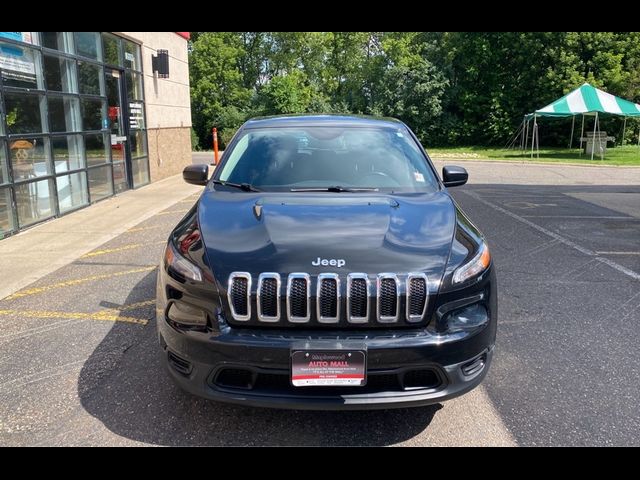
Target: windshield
{"x":283,"y":159}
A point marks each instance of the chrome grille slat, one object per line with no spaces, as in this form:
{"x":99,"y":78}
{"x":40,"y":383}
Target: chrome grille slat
{"x":328,"y":298}
{"x":358,"y":293}
{"x":239,"y":295}
{"x":417,"y":292}
{"x":298,"y":301}
{"x":388,"y":298}
{"x":395,"y":301}
{"x":268,"y":297}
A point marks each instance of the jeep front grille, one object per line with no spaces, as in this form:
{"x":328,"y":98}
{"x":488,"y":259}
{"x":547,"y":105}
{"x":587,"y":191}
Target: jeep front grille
{"x":386,"y":298}
{"x":328,"y":298}
{"x":417,"y":295}
{"x":239,"y":292}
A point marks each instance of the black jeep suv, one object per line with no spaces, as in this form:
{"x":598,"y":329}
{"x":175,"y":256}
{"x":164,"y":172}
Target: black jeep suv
{"x":326,"y":266}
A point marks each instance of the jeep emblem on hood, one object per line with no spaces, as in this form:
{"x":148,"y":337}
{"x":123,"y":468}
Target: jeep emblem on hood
{"x":331,"y":262}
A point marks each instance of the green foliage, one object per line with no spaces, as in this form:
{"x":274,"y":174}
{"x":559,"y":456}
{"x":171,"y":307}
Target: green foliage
{"x":195,"y":144}
{"x":286,"y":94}
{"x":451,"y":88}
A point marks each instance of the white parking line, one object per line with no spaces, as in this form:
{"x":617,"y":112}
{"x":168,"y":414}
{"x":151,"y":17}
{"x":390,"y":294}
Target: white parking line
{"x":622,"y":269}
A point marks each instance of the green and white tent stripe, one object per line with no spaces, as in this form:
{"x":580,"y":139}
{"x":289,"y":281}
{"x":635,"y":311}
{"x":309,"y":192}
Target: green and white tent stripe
{"x":587,"y":100}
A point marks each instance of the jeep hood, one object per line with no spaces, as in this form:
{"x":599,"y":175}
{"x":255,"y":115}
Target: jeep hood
{"x":284,"y":233}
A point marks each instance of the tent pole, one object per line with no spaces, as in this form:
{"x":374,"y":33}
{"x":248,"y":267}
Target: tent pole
{"x":595,"y":124}
{"x":581,"y":134}
{"x":624,"y":129}
{"x":533,"y":134}
{"x":526,"y":136}
{"x":524,"y":122}
{"x":537,"y":142}
{"x":600,"y":142}
{"x":573,"y":122}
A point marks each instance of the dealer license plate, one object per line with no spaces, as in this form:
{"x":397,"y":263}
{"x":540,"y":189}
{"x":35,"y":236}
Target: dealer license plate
{"x":311,"y":368}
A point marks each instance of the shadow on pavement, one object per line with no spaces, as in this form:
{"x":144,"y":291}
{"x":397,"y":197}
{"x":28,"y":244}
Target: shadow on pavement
{"x":124,"y":385}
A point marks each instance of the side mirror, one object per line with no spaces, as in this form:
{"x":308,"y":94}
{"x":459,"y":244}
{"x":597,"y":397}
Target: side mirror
{"x":454,"y":176}
{"x":196,"y":174}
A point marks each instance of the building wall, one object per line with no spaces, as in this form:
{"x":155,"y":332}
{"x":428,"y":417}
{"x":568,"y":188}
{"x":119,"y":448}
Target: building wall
{"x":167,"y":102}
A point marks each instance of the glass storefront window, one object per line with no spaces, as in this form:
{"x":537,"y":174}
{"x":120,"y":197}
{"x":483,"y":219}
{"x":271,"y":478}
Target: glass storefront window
{"x":20,"y":66}
{"x":24,"y":113}
{"x":134,"y":85}
{"x":120,"y":177}
{"x":88,"y":45}
{"x":93,"y":113}
{"x":132,"y":55}
{"x":97,"y":148}
{"x":29,"y":158}
{"x":4,"y":174}
{"x":64,"y":115}
{"x":60,"y":74}
{"x":72,"y":191}
{"x":140,"y":171}
{"x":6,"y":216}
{"x":100,"y":184}
{"x":138,"y":140}
{"x":90,"y":78}
{"x":112,"y":49}
{"x":1,"y":117}
{"x":62,"y":41}
{"x":34,"y":201}
{"x":68,"y":133}
{"x":67,"y":153}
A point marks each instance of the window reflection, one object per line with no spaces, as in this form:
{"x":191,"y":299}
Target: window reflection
{"x":64,"y":114}
{"x":93,"y":114}
{"x":67,"y":153}
{"x":23,"y":113}
{"x":72,"y":191}
{"x":100,"y":185}
{"x":6,"y":217}
{"x":97,"y":149}
{"x":34,"y":201}
{"x":112,"y":49}
{"x":59,"y":74}
{"x":90,"y":78}
{"x":29,"y":158}
{"x":88,"y":45}
{"x":4,"y":174}
{"x":140,"y":170}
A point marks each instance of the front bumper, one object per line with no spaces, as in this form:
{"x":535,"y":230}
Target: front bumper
{"x":252,"y":367}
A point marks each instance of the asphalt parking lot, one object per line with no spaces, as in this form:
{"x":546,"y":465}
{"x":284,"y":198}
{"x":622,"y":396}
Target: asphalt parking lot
{"x":79,"y":361}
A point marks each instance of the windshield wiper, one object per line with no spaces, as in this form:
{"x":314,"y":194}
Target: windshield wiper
{"x":335,"y":188}
{"x":247,"y":187}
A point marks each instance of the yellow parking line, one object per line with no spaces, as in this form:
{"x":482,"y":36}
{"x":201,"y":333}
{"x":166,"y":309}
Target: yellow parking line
{"x":131,"y":306}
{"x":103,"y":315}
{"x":119,"y":249}
{"x":76,"y":281}
{"x":168,"y":212}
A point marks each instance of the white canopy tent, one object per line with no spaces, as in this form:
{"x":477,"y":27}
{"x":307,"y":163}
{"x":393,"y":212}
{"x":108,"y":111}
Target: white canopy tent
{"x":585,"y":100}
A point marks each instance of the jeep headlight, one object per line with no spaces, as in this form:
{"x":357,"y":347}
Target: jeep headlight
{"x":474,"y":267}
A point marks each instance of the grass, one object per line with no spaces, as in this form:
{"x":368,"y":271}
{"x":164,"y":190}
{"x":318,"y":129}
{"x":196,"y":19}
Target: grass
{"x":628,"y":155}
